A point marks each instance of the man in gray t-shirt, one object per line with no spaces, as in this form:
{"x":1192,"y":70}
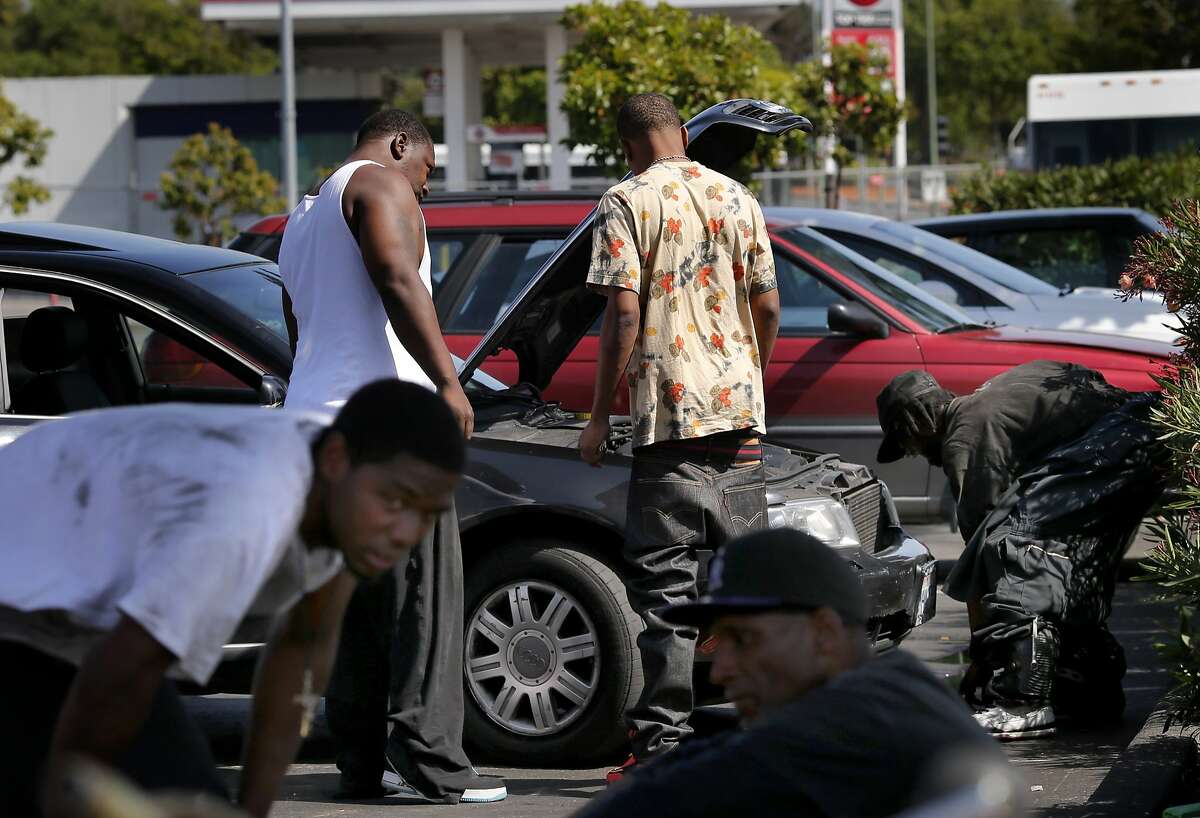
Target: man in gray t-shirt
{"x":135,"y":540}
{"x":828,"y":730}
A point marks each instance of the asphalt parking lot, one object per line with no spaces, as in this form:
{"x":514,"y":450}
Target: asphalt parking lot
{"x":1061,"y":772}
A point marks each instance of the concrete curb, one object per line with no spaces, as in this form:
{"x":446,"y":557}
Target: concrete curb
{"x":1147,"y":775}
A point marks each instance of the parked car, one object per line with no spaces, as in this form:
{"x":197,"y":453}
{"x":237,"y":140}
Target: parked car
{"x":1067,"y":247}
{"x":847,"y":327}
{"x":987,"y":289}
{"x":823,"y":378}
{"x":550,"y":641}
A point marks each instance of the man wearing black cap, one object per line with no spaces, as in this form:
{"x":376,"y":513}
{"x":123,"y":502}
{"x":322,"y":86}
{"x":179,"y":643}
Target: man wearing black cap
{"x":827,"y":729}
{"x":1052,"y":470}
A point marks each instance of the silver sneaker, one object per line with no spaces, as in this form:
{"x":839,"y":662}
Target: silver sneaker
{"x":1011,"y":722}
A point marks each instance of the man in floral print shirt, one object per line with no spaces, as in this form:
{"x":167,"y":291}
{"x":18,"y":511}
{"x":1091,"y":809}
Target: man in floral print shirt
{"x":682,"y":254}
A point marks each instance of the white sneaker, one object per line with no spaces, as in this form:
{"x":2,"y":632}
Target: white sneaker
{"x":484,"y":795}
{"x":394,"y":784}
{"x":1013,"y":721}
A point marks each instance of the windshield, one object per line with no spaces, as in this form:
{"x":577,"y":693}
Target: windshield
{"x":924,"y":243}
{"x":255,"y":290}
{"x":929,"y":312}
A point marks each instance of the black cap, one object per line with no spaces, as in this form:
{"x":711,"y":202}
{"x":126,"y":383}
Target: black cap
{"x":896,"y":397}
{"x":772,"y":569}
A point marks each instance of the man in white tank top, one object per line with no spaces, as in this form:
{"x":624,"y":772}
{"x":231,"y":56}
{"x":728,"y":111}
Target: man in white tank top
{"x":358,"y":304}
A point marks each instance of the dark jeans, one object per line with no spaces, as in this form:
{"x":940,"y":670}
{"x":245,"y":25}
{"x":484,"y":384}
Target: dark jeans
{"x":400,"y":664}
{"x":678,"y":502}
{"x":170,"y":752}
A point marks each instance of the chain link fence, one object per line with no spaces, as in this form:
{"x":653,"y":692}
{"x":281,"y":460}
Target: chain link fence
{"x":879,"y":190}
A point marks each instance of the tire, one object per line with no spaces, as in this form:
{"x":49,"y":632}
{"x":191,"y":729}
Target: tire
{"x":571,"y":604}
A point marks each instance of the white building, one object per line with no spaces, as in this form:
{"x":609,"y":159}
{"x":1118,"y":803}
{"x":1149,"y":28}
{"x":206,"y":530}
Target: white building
{"x":114,"y":136}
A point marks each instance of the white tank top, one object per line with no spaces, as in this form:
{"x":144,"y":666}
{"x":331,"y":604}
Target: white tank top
{"x":344,"y":337}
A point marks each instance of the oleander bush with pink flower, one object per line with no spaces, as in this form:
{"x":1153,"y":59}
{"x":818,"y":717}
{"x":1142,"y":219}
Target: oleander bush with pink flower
{"x":1169,"y":263}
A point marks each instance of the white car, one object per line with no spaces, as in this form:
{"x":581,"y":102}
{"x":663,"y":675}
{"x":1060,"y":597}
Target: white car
{"x":987,"y":289}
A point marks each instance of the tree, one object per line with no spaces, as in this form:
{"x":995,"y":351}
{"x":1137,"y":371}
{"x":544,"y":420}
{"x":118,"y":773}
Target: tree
{"x":631,"y":48}
{"x":83,"y":37}
{"x":21,"y":138}
{"x":1138,"y":35}
{"x":860,"y":111}
{"x":986,"y":52}
{"x":212,"y":179}
{"x":514,"y":96}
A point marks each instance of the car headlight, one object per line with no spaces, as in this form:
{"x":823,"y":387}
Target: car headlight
{"x":822,"y":517}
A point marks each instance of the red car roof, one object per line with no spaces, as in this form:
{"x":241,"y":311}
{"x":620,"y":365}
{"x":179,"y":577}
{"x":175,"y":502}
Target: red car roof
{"x":565,"y":212}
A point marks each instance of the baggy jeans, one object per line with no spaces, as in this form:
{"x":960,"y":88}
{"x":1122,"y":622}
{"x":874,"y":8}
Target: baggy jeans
{"x":678,"y":502}
{"x":399,"y":664}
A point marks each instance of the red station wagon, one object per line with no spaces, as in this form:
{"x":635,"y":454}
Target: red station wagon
{"x":848,"y":326}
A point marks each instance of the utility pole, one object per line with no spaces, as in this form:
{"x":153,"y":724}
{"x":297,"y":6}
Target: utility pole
{"x":287,"y":106}
{"x":931,"y":83}
{"x":902,"y":131}
{"x":828,"y":144}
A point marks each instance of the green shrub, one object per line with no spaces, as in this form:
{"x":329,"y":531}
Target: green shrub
{"x":1169,"y":263}
{"x":1152,"y":184}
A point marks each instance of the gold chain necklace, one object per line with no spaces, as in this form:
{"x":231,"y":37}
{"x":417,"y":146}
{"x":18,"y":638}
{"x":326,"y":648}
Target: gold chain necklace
{"x":676,"y":157}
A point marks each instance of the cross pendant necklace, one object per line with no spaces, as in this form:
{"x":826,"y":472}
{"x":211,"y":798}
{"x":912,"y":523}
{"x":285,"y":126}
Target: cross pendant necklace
{"x":308,"y":700}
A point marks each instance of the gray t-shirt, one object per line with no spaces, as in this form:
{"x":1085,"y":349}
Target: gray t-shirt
{"x":858,"y":747}
{"x":184,"y":518}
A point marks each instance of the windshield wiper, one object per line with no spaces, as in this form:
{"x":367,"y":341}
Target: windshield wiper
{"x":963,"y":325}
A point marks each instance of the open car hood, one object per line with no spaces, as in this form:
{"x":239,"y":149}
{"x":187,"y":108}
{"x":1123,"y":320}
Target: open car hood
{"x":545,"y":322}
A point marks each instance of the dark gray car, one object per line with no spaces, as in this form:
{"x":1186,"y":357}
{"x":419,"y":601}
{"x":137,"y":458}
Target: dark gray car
{"x":551,"y":661}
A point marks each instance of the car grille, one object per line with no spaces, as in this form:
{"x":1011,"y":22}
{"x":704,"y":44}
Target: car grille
{"x":864,"y":505}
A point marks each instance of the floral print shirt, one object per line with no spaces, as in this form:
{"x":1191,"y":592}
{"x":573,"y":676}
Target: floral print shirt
{"x":693,"y":244}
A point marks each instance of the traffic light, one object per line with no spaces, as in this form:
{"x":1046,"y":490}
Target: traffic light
{"x":943,"y":135}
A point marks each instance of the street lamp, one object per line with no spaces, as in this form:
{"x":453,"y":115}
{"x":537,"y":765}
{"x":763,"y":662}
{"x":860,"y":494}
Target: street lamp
{"x":931,"y":84}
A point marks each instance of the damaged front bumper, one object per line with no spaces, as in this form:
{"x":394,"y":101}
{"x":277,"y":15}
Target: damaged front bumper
{"x":901,"y":585}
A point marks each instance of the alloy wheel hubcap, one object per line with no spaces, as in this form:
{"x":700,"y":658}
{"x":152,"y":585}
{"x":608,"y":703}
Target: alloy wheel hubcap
{"x":531,"y":658}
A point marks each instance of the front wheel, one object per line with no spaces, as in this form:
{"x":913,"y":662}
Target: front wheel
{"x":550,"y":660}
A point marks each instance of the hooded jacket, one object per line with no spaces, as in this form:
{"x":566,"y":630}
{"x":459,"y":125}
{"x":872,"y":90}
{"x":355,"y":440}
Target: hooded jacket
{"x":1011,"y":422}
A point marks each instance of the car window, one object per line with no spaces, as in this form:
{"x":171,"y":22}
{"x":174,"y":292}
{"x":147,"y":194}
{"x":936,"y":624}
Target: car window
{"x":925,"y":243}
{"x":935,"y":281}
{"x":443,"y":252}
{"x":265,"y":245}
{"x":252,"y":289}
{"x":803,"y":298}
{"x":1068,"y":256}
{"x":16,"y":306}
{"x":104,"y":372}
{"x":931,"y":313}
{"x":166,"y":361}
{"x":502,"y":276}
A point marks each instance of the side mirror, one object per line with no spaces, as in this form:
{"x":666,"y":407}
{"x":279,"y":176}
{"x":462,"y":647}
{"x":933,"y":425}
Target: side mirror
{"x":272,"y":390}
{"x":855,"y":319}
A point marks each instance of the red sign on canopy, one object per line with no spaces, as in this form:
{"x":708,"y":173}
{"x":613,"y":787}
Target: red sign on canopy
{"x":883,"y":39}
